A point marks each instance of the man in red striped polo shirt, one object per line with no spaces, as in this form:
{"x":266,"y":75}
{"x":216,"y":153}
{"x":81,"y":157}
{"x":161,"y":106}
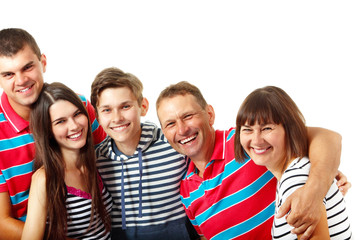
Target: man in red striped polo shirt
{"x":226,"y":199}
{"x":21,"y":77}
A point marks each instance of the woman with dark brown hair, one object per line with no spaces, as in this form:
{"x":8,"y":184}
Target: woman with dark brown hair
{"x":271,"y":130}
{"x":67,"y":198}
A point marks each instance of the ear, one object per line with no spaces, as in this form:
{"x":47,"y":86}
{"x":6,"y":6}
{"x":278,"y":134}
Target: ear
{"x":210,"y":111}
{"x":43,"y":61}
{"x":144,"y":107}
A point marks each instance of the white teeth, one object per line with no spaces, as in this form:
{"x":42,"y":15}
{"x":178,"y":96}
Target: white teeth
{"x":24,"y":90}
{"x":119,"y":128}
{"x":75,"y":136}
{"x":258,"y":151}
{"x":186,"y":140}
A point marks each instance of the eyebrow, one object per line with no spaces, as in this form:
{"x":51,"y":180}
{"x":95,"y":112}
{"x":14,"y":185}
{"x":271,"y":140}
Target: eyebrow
{"x":27,"y":65}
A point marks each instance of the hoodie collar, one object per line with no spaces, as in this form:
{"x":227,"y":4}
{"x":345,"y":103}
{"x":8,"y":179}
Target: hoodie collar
{"x":147,"y":137}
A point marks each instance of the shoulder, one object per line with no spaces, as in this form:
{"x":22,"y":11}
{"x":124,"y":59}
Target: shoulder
{"x":39,"y":176}
{"x":38,"y":183}
{"x":103,"y":148}
{"x":83,"y":99}
{"x":294,"y":177}
{"x":151,"y":130}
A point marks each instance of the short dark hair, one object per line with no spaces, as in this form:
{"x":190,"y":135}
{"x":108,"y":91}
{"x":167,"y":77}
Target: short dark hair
{"x":182,"y":88}
{"x":12,"y":40}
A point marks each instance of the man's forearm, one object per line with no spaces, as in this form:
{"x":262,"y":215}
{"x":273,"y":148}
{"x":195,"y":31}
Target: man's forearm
{"x":324,"y":154}
{"x":11,"y":229}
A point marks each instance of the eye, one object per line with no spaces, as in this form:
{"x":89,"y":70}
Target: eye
{"x":127,"y":106}
{"x":78,"y":113}
{"x":267,"y":128}
{"x":188,"y":116}
{"x":59,"y":122}
{"x":105,"y":110}
{"x":245,"y":129}
{"x":28,"y":67}
{"x":8,"y":75}
{"x":169,"y":124}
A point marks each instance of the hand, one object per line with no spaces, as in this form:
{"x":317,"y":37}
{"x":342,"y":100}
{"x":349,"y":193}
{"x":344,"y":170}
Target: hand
{"x":305,"y":206}
{"x":342,"y":183}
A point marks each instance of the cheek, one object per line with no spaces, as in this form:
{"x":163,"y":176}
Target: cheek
{"x":57,"y":133}
{"x":243,"y":141}
{"x":169,"y":135}
{"x":102,"y":119}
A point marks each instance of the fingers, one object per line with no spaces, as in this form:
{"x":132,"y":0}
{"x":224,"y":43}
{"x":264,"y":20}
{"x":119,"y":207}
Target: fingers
{"x":306,"y":230}
{"x":284,"y":209}
{"x":299,"y":223}
{"x":345,"y":188}
{"x":341,"y":179}
{"x":342,"y":183}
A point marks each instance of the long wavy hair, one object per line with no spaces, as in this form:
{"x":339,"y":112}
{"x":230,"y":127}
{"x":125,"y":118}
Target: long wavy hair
{"x":48,"y":155}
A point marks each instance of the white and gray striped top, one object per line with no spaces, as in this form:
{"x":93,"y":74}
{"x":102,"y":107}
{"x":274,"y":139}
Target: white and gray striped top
{"x":149,"y":180}
{"x":294,"y":177}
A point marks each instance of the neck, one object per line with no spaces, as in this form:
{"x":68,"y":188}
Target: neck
{"x":278,"y":171}
{"x":204,"y":157}
{"x":70,"y":159}
{"x":130,"y":146}
{"x":21,"y":110}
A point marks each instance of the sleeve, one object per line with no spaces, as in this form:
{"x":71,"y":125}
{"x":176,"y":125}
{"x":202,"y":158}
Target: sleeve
{"x":3,"y":185}
{"x":292,"y":180}
{"x":193,"y":221}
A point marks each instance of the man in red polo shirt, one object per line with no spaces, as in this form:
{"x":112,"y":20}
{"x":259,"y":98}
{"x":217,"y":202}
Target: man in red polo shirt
{"x":21,"y":77}
{"x":225,"y":199}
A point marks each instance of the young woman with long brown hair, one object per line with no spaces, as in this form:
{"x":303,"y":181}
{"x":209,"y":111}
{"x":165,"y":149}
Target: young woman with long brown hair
{"x":67,"y":198}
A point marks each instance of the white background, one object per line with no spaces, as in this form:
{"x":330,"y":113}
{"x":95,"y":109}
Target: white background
{"x":311,"y":49}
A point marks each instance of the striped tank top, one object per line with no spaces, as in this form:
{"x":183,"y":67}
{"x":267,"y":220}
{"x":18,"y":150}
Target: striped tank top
{"x":78,"y":204}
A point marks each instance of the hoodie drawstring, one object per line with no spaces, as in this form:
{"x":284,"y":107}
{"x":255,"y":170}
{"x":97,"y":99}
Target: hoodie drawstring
{"x":123,"y":214}
{"x":140,"y":182}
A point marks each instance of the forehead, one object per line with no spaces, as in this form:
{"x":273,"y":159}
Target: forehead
{"x":111,"y":96}
{"x":177,"y":106}
{"x":62,"y":108}
{"x":18,"y":60}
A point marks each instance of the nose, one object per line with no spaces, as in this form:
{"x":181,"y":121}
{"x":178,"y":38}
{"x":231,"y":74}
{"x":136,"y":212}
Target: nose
{"x":117,"y":116}
{"x":182,"y":128}
{"x":257,"y":138}
{"x":21,"y":78}
{"x":73,"y":124}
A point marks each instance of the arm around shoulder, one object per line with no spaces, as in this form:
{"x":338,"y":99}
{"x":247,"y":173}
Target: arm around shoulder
{"x":324,"y":155}
{"x":305,"y":203}
{"x":36,"y":218}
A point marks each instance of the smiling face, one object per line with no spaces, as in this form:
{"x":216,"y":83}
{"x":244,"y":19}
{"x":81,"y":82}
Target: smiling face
{"x":69,"y":125}
{"x":265,"y":144}
{"x":21,"y":77}
{"x":187,"y":126}
{"x":119,"y":114}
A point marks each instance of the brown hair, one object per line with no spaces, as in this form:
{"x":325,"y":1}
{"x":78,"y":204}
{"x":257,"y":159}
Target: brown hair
{"x":12,"y":40}
{"x":273,"y":105}
{"x":182,"y":88}
{"x":48,"y":155}
{"x":115,"y":78}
